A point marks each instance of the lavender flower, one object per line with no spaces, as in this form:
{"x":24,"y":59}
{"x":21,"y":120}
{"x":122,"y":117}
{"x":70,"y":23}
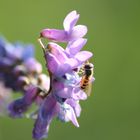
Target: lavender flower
{"x":36,"y":66}
{"x":65,"y":90}
{"x":21,"y":52}
{"x":57,"y":56}
{"x":70,"y":32}
{"x":20,"y":71}
{"x":51,"y":107}
{"x":58,"y":95}
{"x":20,"y":106}
{"x":13,"y":56}
{"x":47,"y":112}
{"x":2,"y":47}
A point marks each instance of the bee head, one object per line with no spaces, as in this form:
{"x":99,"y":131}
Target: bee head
{"x":88,"y":66}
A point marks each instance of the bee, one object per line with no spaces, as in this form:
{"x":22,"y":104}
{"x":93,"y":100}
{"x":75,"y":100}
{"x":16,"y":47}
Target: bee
{"x":87,"y":78}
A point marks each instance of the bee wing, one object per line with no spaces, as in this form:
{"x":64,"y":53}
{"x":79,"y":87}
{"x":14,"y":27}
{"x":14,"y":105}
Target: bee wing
{"x":88,"y":89}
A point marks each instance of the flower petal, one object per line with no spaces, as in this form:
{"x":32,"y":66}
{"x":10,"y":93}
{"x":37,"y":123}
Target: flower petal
{"x":79,"y":94}
{"x":78,"y":32}
{"x":33,"y":65}
{"x":58,"y":62}
{"x":19,"y":106}
{"x":75,"y":46}
{"x":83,"y":56}
{"x":31,"y":94}
{"x":76,"y":106}
{"x":67,"y":114}
{"x":57,"y":68}
{"x":57,"y":51}
{"x":77,"y":109}
{"x":65,"y":92}
{"x":54,"y":35}
{"x":57,"y":85}
{"x":2,"y":47}
{"x":28,"y":52}
{"x":44,"y":81}
{"x":17,"y":49}
{"x":73,"y":63}
{"x":47,"y":112}
{"x":52,"y":63}
{"x":70,"y":20}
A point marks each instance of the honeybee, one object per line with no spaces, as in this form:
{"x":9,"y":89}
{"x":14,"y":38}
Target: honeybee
{"x":87,"y":78}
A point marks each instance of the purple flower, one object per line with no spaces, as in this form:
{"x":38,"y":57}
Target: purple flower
{"x":70,"y":32}
{"x":67,"y":87}
{"x":52,"y":107}
{"x":33,"y":66}
{"x":59,"y":63}
{"x":44,"y":81}
{"x":65,"y":90}
{"x":61,"y":103}
{"x":2,"y":47}
{"x":21,"y":51}
{"x":75,"y":46}
{"x":58,"y":95}
{"x":75,"y":105}
{"x":15,"y":55}
{"x":67,"y":114}
{"x":47,"y":112}
{"x":20,"y":106}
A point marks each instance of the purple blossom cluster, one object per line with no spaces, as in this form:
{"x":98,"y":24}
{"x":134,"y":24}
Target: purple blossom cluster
{"x":57,"y":95}
{"x":22,"y":73}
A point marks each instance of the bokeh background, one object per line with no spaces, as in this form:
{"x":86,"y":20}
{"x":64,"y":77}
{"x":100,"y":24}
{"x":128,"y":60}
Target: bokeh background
{"x":113,"y":110}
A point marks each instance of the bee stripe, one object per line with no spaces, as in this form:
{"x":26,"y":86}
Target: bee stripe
{"x":85,"y":84}
{"x":83,"y":87}
{"x":86,"y":81}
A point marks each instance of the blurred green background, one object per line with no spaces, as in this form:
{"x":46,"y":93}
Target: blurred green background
{"x":113,"y":110}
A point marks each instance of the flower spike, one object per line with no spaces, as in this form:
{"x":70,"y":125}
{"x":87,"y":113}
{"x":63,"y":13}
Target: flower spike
{"x":57,"y":95}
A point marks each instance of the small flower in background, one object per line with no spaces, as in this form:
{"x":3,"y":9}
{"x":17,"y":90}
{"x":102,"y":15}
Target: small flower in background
{"x":70,"y":32}
{"x":18,"y":107}
{"x":11,"y":63}
{"x":22,"y":73}
{"x":18,"y":67}
{"x":34,"y":93}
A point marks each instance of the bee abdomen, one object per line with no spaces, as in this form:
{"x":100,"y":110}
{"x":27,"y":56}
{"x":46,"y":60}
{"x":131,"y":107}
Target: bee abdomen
{"x":84,"y":84}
